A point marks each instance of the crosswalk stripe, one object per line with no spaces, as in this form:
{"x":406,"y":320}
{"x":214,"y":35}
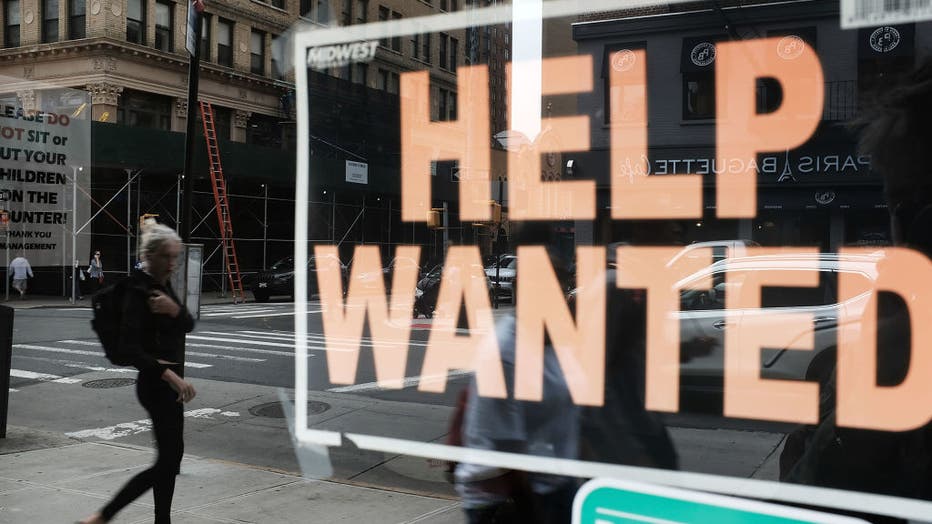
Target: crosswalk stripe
{"x":223,"y":313}
{"x":193,"y":353}
{"x":245,"y":350}
{"x":76,"y":365}
{"x":407,"y":382}
{"x":318,"y":342}
{"x":309,"y":312}
{"x":257,"y":342}
{"x":91,"y":353}
{"x":316,"y":337}
{"x":42,"y":377}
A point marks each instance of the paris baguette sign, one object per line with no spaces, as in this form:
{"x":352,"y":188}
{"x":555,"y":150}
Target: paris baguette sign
{"x":541,"y":310}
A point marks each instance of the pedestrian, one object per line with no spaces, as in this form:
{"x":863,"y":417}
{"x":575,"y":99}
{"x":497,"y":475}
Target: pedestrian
{"x":21,"y":270}
{"x":549,"y":428}
{"x":152,"y":336}
{"x":895,"y":134}
{"x":95,"y":272}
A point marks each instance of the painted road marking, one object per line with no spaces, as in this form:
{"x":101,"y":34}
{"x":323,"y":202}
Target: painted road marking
{"x":127,"y":429}
{"x":42,"y":377}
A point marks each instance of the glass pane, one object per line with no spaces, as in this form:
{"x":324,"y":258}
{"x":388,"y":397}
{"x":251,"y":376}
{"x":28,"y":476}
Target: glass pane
{"x":50,"y":9}
{"x":224,"y":33}
{"x":134,"y":9}
{"x":77,"y":7}
{"x":163,"y":15}
{"x":256,"y":43}
{"x":12,"y":12}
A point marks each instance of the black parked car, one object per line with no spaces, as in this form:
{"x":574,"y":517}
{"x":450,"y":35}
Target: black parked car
{"x":278,"y":280}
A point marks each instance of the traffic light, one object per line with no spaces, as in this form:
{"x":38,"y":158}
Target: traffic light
{"x":433,"y":219}
{"x":496,"y":212}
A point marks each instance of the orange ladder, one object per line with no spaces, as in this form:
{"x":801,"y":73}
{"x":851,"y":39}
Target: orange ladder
{"x":223,"y":204}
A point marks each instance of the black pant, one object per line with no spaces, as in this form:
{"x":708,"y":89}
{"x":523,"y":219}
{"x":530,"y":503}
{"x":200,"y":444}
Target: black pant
{"x":167,"y":422}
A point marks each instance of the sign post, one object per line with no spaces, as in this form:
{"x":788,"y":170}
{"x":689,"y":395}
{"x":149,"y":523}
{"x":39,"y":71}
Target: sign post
{"x":5,"y":227}
{"x":608,"y":501}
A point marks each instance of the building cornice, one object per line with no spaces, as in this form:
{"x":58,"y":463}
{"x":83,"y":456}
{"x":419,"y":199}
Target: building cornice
{"x":110,"y":48}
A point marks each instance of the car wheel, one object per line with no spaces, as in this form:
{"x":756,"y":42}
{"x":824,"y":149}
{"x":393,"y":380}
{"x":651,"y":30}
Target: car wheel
{"x":261,"y":297}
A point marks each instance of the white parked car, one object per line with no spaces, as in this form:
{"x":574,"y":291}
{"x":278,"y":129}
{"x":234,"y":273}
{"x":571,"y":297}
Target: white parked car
{"x":702,"y":315}
{"x":504,"y":286}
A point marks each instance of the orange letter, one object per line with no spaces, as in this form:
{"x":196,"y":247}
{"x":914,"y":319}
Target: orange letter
{"x":343,"y":323}
{"x":635,"y":193}
{"x":649,"y":268}
{"x":466,"y":140}
{"x":464,"y":281}
{"x":741,"y":133}
{"x":747,"y":395}
{"x":532,"y":198}
{"x":861,"y":402}
{"x":579,"y":345}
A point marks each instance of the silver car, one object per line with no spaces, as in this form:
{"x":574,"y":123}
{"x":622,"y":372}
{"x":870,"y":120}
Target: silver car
{"x":702,"y":316}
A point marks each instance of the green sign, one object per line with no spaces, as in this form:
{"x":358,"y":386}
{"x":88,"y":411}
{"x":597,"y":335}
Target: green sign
{"x":604,"y":501}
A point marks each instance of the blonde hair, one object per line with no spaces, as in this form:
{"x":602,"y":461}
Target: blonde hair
{"x":153,"y":237}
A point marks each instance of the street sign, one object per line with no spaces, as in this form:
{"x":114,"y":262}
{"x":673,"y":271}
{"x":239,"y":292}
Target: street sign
{"x":607,"y":501}
{"x":196,"y":6}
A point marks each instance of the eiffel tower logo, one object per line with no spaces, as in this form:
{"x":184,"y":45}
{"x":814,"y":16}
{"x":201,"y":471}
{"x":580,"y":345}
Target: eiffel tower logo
{"x":787,"y":172}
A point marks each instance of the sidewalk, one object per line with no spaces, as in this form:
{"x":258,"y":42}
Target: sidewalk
{"x":65,"y":479}
{"x":69,"y":448}
{"x":40,"y":301}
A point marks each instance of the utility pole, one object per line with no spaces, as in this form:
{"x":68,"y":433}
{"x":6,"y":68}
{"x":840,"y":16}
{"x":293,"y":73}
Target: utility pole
{"x":193,"y":45}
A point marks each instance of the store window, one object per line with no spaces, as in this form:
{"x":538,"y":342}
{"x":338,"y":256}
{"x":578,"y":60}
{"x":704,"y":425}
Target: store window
{"x":698,"y":70}
{"x":225,"y":42}
{"x":698,"y":96}
{"x":49,"y":20}
{"x":77,"y":19}
{"x":443,"y":46}
{"x":148,"y":110}
{"x":346,"y":13}
{"x":384,"y":14}
{"x":205,"y":36}
{"x":322,"y":15}
{"x":11,"y":17}
{"x":361,"y":74}
{"x":164,"y":33}
{"x":396,"y":41}
{"x":136,"y":21}
{"x":885,"y":55}
{"x":362,"y":11}
{"x":278,"y":70}
{"x":257,"y":52}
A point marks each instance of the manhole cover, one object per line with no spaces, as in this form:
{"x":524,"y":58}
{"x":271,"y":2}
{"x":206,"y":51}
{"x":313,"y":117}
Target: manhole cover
{"x":274,"y":409}
{"x":105,"y":383}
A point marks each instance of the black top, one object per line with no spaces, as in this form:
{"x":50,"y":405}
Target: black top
{"x":146,"y":336}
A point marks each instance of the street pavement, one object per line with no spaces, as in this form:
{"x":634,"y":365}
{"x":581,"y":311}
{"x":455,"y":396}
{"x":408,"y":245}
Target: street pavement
{"x":72,"y":441}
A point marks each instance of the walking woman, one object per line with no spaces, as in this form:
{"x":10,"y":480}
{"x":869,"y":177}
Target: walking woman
{"x":95,"y":272}
{"x":152,"y":333}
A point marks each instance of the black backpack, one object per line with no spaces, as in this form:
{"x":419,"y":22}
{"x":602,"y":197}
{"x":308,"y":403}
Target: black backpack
{"x":108,"y":314}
